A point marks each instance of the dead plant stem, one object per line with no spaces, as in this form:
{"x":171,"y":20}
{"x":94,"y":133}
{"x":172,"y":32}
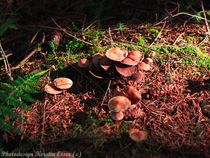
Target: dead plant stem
{"x":64,"y":30}
{"x":6,"y":63}
{"x":158,"y":36}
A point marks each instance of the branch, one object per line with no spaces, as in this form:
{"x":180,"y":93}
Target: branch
{"x":6,"y":63}
{"x":204,"y":14}
{"x":64,"y":30}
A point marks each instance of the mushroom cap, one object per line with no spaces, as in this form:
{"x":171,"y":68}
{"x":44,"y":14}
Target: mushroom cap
{"x":133,"y":58}
{"x":138,"y":77}
{"x":117,"y":116}
{"x":133,"y":94}
{"x":119,"y":103}
{"x":63,"y":83}
{"x":148,"y":60}
{"x":116,"y":54}
{"x":143,"y":66}
{"x":137,"y":135}
{"x":83,"y":63}
{"x":51,"y":90}
{"x":125,"y":71}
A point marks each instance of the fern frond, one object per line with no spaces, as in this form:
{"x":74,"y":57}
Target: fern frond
{"x":17,"y":94}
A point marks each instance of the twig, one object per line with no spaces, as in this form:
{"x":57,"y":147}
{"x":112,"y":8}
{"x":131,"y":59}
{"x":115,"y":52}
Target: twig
{"x":6,"y":63}
{"x":6,"y":56}
{"x":159,"y":34}
{"x":180,"y":35}
{"x":64,"y":30}
{"x":188,"y":14}
{"x":206,"y":21}
{"x":24,"y":61}
{"x":110,"y":35}
{"x":29,"y":55}
{"x":108,"y":88}
{"x":182,"y":13}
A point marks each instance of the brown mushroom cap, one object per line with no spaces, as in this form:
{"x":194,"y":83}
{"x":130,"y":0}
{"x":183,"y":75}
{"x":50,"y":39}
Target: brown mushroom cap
{"x":133,"y":58}
{"x":63,"y":83}
{"x":143,"y":66}
{"x":119,"y":103}
{"x":133,"y":94}
{"x":138,"y":77}
{"x":125,"y":71}
{"x":137,"y":135}
{"x":117,"y":116}
{"x":51,"y":90}
{"x":116,"y":54}
{"x":83,"y":63}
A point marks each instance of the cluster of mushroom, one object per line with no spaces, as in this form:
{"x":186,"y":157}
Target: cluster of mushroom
{"x":119,"y":104}
{"x":116,"y":59}
{"x":58,"y":85}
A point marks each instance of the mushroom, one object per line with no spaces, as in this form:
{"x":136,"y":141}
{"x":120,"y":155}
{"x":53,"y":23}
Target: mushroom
{"x":143,"y":66}
{"x":119,"y":103}
{"x":117,"y":116}
{"x":138,"y":77}
{"x":133,"y":58}
{"x":125,"y":71}
{"x":116,"y":54}
{"x":83,"y":63}
{"x":148,"y":61}
{"x":51,"y":90}
{"x":137,"y":135}
{"x":63,"y":83}
{"x":133,"y":94}
{"x":152,"y":54}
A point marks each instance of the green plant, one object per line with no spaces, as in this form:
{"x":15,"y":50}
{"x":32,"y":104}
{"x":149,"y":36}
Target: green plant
{"x":141,"y":40}
{"x":120,"y":26}
{"x":154,"y":31}
{"x":17,"y":94}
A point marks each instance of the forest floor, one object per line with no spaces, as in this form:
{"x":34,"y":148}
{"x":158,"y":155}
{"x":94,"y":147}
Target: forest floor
{"x":175,"y":92}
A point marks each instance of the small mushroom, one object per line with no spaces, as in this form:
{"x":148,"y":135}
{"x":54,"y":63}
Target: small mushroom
{"x":63,"y":83}
{"x":83,"y":63}
{"x":119,"y":103}
{"x":148,"y":61}
{"x":133,"y":58}
{"x":133,"y":94}
{"x":51,"y":90}
{"x":117,"y":116}
{"x":116,"y":54}
{"x":138,"y":77}
{"x":125,"y":71}
{"x":143,"y":66}
{"x":137,"y":135}
{"x":152,"y":54}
